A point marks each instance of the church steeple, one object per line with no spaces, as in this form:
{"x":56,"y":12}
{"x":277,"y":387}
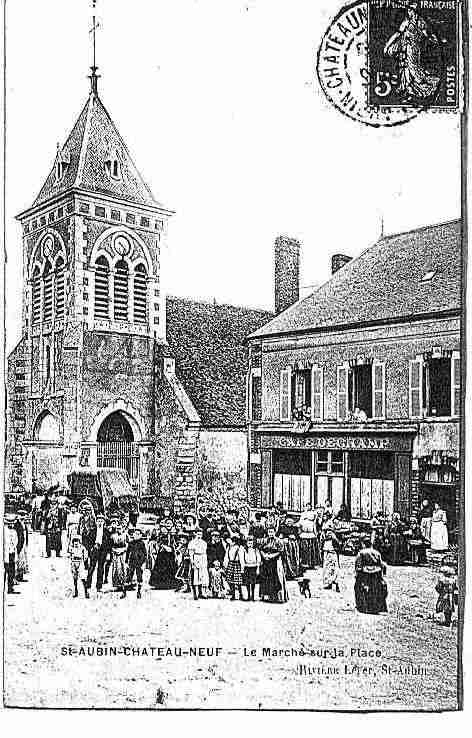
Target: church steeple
{"x":94,"y":77}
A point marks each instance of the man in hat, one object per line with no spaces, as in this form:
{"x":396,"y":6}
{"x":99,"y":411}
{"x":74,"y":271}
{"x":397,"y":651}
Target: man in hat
{"x":99,"y":552}
{"x":215,"y":548}
{"x":10,"y":543}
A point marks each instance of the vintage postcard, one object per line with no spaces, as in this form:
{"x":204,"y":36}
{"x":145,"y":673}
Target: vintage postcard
{"x":235,"y":287}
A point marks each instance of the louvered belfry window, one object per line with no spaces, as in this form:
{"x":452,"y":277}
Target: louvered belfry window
{"x":59,"y":288}
{"x":48,"y":296}
{"x":121,"y":291}
{"x":36,"y":289}
{"x":101,"y":288}
{"x":140,"y":294}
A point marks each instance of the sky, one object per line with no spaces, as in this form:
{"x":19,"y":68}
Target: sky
{"x":220,"y":106}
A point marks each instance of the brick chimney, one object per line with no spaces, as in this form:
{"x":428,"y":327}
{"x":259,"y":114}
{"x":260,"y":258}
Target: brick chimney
{"x":286,"y":273}
{"x":338,"y":261}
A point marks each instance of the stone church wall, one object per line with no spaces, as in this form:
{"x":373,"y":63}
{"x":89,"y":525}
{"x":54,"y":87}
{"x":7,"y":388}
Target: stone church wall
{"x":117,"y":367}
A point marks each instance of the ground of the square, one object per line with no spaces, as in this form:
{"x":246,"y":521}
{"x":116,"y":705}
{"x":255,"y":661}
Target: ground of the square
{"x":57,"y":648}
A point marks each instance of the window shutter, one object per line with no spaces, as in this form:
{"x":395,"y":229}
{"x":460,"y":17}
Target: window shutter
{"x":378,"y":390}
{"x":316,"y":393}
{"x":285,"y":394}
{"x":416,"y":388}
{"x":342,"y":392}
{"x":455,"y":384}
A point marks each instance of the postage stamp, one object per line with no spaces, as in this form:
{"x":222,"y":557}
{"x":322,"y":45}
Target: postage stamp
{"x":343,"y":73}
{"x":413,"y":54}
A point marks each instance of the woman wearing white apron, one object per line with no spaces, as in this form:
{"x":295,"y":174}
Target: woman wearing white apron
{"x":439,"y":535}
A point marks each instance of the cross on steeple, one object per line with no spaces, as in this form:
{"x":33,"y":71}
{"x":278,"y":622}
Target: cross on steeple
{"x":94,"y":76}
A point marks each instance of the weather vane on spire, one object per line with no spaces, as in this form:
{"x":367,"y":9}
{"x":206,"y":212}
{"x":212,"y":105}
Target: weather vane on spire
{"x":95,"y":25}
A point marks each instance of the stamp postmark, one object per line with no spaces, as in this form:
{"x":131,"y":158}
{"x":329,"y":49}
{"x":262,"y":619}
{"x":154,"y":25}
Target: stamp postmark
{"x":343,"y":73}
{"x":413,"y":54}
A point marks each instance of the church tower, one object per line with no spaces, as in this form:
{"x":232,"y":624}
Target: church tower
{"x":82,"y":378}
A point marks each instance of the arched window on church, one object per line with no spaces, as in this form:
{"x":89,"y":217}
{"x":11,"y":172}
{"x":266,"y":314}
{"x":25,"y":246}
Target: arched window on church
{"x":101,"y":288}
{"x":59,"y":288}
{"x":120,"y":296}
{"x":48,"y":296}
{"x":36,"y":296}
{"x":48,"y":364}
{"x":140,"y":294}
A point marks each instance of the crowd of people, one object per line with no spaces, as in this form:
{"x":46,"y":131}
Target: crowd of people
{"x":223,"y":555}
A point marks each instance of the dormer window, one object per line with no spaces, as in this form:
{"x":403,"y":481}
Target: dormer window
{"x":113,"y":168}
{"x":62,"y":162}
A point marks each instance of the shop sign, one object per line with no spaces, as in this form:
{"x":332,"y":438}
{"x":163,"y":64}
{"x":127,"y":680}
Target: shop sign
{"x":346,"y":443}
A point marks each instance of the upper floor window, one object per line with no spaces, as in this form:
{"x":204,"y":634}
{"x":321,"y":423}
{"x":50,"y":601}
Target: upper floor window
{"x":255,"y":395}
{"x":301,"y":393}
{"x":361,"y":391}
{"x":434,"y":386}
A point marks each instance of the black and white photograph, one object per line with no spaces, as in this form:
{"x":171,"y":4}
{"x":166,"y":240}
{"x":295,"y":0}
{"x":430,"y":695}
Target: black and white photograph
{"x":234,"y":368}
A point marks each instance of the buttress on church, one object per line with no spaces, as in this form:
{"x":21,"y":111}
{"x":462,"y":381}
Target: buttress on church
{"x":109,"y":371}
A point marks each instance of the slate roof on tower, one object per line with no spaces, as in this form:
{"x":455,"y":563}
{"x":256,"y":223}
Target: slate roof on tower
{"x":211,"y":357}
{"x":385,"y":283}
{"x":93,"y":140}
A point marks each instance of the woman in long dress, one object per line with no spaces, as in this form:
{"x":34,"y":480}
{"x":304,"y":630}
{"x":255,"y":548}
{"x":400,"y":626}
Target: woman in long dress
{"x":165,"y":566}
{"x":273,"y":584}
{"x":330,"y":547}
{"x":197,"y":550}
{"x":439,"y":534}
{"x":309,"y":550}
{"x":415,"y":81}
{"x":396,"y":541}
{"x":119,"y":543}
{"x":370,"y":589}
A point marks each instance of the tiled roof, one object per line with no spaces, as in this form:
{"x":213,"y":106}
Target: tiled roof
{"x":384,"y":283}
{"x":208,"y":342}
{"x":93,"y":139}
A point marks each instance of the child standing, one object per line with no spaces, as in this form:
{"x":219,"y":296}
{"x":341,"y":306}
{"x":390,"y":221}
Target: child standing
{"x":136,"y":557}
{"x":251,"y":567}
{"x":217,"y":581}
{"x":78,"y":564}
{"x":234,"y":565}
{"x":446,"y":587}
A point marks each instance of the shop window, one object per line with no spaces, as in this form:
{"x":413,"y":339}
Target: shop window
{"x":329,"y":462}
{"x":434,"y":386}
{"x":361,"y":391}
{"x":372,"y":483}
{"x":292,"y":479}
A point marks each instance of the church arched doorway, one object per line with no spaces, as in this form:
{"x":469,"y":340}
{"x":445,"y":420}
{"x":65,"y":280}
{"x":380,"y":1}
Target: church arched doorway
{"x":116,"y":446}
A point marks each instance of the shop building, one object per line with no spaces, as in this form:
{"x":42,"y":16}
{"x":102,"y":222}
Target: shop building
{"x":354,"y":392}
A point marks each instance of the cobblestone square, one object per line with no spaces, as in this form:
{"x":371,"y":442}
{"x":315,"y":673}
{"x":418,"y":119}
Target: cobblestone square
{"x":172,"y":652}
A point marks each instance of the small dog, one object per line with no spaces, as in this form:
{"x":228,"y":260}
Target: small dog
{"x":304,"y":585}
